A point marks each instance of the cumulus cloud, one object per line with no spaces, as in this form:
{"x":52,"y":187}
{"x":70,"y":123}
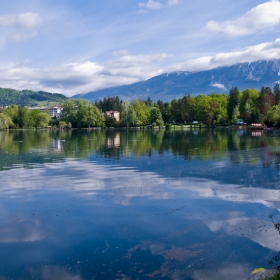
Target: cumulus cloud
{"x":82,"y":77}
{"x":123,"y":68}
{"x":87,"y":67}
{"x":260,"y":18}
{"x":264,"y":51}
{"x":21,"y":27}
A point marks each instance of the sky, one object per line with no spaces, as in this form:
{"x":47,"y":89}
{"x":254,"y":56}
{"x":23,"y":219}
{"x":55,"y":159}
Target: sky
{"x":71,"y":47}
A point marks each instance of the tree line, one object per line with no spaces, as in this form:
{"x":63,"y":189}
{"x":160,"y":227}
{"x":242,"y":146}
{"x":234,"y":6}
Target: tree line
{"x":250,"y":105}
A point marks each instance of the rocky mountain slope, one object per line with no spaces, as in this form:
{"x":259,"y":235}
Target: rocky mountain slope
{"x":174,"y":85}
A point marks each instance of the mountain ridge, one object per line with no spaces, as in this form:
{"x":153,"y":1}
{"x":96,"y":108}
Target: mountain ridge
{"x":10,"y":96}
{"x":177,"y":83}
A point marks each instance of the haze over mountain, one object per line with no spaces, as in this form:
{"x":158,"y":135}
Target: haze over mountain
{"x":176,"y":84}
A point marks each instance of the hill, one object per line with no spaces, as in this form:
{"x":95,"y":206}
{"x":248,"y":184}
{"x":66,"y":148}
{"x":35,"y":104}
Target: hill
{"x":173,"y":85}
{"x":29,"y":98}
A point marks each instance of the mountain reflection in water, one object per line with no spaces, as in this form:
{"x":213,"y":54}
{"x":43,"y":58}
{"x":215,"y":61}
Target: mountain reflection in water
{"x":137,"y":204}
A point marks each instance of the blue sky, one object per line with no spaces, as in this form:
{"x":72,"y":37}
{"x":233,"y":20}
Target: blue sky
{"x":71,"y":47}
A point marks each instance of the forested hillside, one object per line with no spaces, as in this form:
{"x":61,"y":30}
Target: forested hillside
{"x":28,"y":97}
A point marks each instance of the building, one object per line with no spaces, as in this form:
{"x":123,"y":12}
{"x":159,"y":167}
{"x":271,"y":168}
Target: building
{"x":113,"y":114}
{"x":54,"y":112}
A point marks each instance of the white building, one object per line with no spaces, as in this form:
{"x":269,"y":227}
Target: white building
{"x":54,"y":111}
{"x":113,"y":114}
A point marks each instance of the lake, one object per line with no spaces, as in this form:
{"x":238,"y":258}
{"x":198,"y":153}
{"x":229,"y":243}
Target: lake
{"x":108,"y":204}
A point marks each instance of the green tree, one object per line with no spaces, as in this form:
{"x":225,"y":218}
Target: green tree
{"x":175,"y":111}
{"x":249,"y":105}
{"x":220,"y":109}
{"x":266,"y":100}
{"x":33,"y":118}
{"x":131,"y":116}
{"x":42,"y":120}
{"x":142,"y":112}
{"x":202,"y":107}
{"x":124,"y":111}
{"x":163,"y":107}
{"x":276,"y":92}
{"x":69,"y":111}
{"x":235,"y":115}
{"x":187,"y":108}
{"x":80,"y":113}
{"x":156,"y":117}
{"x":233,"y":101}
{"x":12,"y":112}
{"x":23,"y":117}
{"x":5,"y":121}
{"x":273,"y":116}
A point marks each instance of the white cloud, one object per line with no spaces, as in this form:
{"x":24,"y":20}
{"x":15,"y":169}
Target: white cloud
{"x":153,"y":5}
{"x":27,"y":20}
{"x":124,"y":68}
{"x":260,"y":18}
{"x":21,"y":27}
{"x":172,"y":2}
{"x":264,"y":51}
{"x":82,"y":77}
{"x":87,"y":68}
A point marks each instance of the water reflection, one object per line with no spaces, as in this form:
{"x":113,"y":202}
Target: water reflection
{"x":137,"y":204}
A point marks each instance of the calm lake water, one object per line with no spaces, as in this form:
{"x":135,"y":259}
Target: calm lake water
{"x":103,"y":204}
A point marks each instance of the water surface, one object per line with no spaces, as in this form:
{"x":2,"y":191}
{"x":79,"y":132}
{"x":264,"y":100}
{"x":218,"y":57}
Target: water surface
{"x":110,"y":204}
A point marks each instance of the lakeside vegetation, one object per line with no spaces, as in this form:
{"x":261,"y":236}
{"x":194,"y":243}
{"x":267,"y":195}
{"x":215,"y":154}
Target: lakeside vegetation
{"x":250,"y":105}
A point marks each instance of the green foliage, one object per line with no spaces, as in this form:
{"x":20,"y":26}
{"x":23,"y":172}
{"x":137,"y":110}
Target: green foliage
{"x":266,"y":100}
{"x":23,"y":117}
{"x":109,"y":104}
{"x":276,"y":93}
{"x":42,"y":120}
{"x":273,"y":116}
{"x":140,"y":112}
{"x":81,"y":114}
{"x":124,"y":111}
{"x":27,"y":97}
{"x":233,"y":101}
{"x":249,"y":105}
{"x":156,"y":117}
{"x":235,"y":115}
{"x":5,"y":121}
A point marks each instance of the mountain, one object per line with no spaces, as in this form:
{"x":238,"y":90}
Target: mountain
{"x":29,"y":98}
{"x":173,"y":85}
